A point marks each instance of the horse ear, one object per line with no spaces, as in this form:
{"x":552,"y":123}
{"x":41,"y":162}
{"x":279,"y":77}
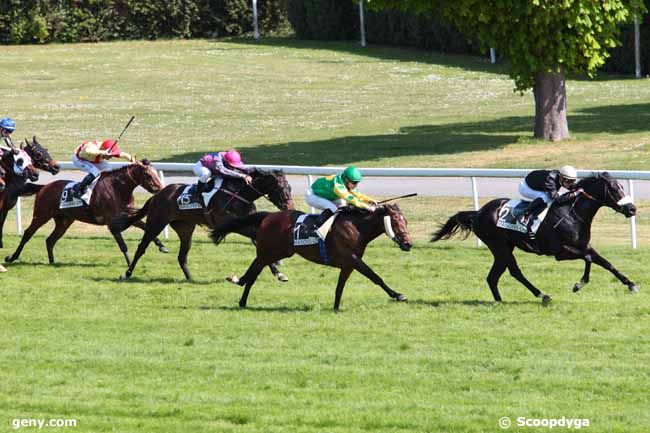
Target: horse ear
{"x":21,"y":143}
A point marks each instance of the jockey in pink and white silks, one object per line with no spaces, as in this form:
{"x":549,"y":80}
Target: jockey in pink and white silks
{"x":218,"y":164}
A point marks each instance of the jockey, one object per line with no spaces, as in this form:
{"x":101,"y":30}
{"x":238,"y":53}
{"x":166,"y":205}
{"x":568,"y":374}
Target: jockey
{"x":219,"y":165}
{"x":331,"y":192}
{"x":90,"y":157}
{"x":7,"y":127}
{"x":543,"y":186}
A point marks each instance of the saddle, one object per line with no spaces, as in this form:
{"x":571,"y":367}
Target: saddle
{"x":304,"y":230}
{"x":510,"y":213}
{"x":68,"y":200}
{"x":186,"y":199}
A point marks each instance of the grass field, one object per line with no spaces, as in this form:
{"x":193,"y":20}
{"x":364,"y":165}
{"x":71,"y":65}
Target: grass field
{"x":291,"y":102}
{"x":159,"y":354}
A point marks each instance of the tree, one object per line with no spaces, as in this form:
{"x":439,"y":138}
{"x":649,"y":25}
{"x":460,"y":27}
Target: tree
{"x":542,"y":41}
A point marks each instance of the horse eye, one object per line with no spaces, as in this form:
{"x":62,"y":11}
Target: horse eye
{"x":19,"y":161}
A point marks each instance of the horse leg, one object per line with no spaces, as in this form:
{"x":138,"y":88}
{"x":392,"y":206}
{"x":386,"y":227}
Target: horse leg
{"x":365,"y":270}
{"x":513,"y":267}
{"x":36,"y":224}
{"x":120,"y":243}
{"x":7,"y":204}
{"x":585,"y":276}
{"x":62,"y":223}
{"x":152,"y":229}
{"x":184,"y":231}
{"x":250,"y":276}
{"x":3,"y":217}
{"x":602,"y":262}
{"x":273,"y":266}
{"x":161,"y":247}
{"x":343,"y":278}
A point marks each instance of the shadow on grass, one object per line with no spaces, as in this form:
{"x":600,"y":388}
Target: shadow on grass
{"x":433,"y":140}
{"x":375,"y":53}
{"x":135,"y":280}
{"x":472,"y":303}
{"x":269,"y":309}
{"x":55,"y":265}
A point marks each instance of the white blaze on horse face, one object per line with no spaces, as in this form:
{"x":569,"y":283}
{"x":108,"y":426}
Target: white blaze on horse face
{"x":625,"y":200}
{"x":21,"y":162}
{"x":388,"y":226}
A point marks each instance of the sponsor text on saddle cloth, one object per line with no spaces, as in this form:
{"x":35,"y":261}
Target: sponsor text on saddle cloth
{"x":186,"y":200}
{"x":68,"y":200}
{"x":511,"y":211}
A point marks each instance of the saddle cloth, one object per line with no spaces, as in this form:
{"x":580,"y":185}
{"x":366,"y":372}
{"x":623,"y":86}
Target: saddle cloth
{"x":68,"y":200}
{"x":186,"y":200}
{"x":304,"y":231}
{"x":510,"y":213}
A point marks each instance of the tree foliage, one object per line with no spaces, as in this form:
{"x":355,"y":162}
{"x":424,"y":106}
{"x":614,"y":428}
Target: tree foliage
{"x":536,"y":35}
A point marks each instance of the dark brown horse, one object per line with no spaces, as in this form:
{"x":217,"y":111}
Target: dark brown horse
{"x":111,"y":196}
{"x":345,"y":244}
{"x":565,"y":233}
{"x":18,"y":186}
{"x":235,"y":198}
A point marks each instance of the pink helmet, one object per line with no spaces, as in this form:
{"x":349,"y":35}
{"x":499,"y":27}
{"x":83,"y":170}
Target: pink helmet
{"x":233,"y":158}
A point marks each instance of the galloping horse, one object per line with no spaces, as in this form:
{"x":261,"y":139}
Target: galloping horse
{"x":18,"y":186}
{"x":112,"y":194}
{"x":565,"y":232}
{"x":235,"y":198}
{"x":345,"y":244}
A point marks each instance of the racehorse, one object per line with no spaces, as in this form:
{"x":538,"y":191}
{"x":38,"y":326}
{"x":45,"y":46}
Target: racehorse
{"x":112,"y":194}
{"x":565,"y":233}
{"x":345,"y":244}
{"x":18,"y":186}
{"x":235,"y":198}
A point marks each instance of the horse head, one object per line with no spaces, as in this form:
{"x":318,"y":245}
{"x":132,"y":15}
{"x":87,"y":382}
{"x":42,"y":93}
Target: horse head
{"x":602,"y":187}
{"x":40,"y":156}
{"x":20,"y":163}
{"x":395,"y":225}
{"x":274,"y":184}
{"x":145,"y":175}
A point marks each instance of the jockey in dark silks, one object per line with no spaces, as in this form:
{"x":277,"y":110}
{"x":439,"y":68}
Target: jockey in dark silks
{"x":543,"y":187}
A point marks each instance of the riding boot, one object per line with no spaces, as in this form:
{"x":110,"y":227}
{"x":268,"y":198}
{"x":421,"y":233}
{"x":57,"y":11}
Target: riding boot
{"x":324,"y":217}
{"x":198,"y":193}
{"x":79,"y":189}
{"x":533,"y":209}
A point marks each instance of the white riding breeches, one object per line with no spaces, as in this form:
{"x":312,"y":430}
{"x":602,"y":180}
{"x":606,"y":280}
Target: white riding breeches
{"x":532,"y":194}
{"x":202,"y":172}
{"x":322,"y":203}
{"x":90,"y":167}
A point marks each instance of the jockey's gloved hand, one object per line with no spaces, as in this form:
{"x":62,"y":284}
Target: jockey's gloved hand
{"x":565,"y":198}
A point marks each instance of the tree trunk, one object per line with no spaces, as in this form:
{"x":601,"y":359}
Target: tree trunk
{"x":550,"y":106}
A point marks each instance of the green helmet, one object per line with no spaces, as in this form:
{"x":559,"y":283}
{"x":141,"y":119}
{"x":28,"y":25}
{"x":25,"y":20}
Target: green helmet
{"x":352,"y":174}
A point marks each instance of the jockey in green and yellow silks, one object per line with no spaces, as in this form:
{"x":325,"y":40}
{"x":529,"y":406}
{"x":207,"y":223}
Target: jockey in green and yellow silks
{"x":334,"y":191}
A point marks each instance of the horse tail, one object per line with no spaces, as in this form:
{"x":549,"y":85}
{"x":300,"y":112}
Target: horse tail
{"x":131,"y":215}
{"x":462,"y":222}
{"x":219,"y":233}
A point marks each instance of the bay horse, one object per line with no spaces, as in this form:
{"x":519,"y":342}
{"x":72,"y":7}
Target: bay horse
{"x":345,"y":244}
{"x":112,"y":194}
{"x":565,"y":233}
{"x":235,"y":198}
{"x":18,"y":186}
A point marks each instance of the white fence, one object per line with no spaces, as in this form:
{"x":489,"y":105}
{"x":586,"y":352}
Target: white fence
{"x":473,"y":174}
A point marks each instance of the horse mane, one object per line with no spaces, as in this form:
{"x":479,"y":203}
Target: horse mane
{"x":595,"y":176}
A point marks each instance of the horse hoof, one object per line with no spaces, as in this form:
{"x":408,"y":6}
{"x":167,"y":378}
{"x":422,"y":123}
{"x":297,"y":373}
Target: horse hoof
{"x":9,"y":259}
{"x":163,"y":249}
{"x":401,"y":298}
{"x":124,"y":277}
{"x":233,"y":279}
{"x":546,"y":299}
{"x":3,"y":269}
{"x":634,"y":288}
{"x":242,"y":305}
{"x":577,"y":287}
{"x":282,"y":277}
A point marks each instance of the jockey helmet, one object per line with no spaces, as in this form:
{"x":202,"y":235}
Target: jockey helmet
{"x":110,"y":146}
{"x":568,"y":172}
{"x":352,"y":174}
{"x":233,"y":158}
{"x":8,"y":124}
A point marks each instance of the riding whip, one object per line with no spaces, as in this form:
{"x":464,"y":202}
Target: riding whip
{"x":397,"y":198}
{"x":125,"y":128}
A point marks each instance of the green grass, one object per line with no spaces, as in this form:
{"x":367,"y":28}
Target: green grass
{"x":291,"y":102}
{"x":159,"y":354}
